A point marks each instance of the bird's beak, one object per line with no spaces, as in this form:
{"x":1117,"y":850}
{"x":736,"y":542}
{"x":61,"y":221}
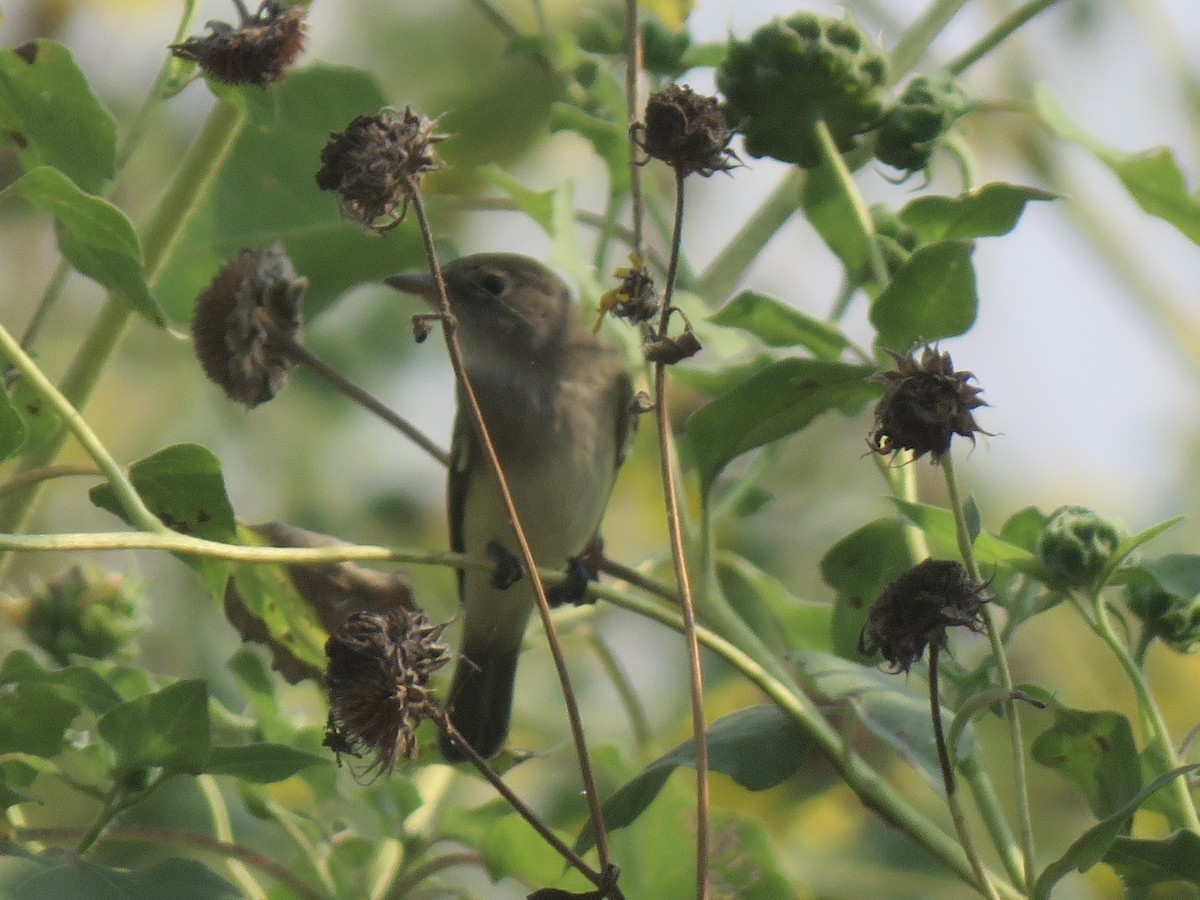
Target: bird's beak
{"x":421,"y":284}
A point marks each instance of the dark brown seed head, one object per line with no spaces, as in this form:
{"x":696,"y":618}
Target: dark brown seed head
{"x":255,"y":289}
{"x":376,"y":163}
{"x":259,"y":51}
{"x":915,"y":610}
{"x":378,"y":676}
{"x":687,"y":131}
{"x":924,"y":405}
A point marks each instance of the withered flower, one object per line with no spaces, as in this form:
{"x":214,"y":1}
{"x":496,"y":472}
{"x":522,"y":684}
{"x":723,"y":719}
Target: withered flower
{"x":915,"y":610}
{"x":687,"y":131}
{"x":924,"y":405}
{"x":376,"y":163}
{"x":378,"y":677}
{"x":635,"y":299}
{"x":259,"y":51}
{"x":232,"y":341}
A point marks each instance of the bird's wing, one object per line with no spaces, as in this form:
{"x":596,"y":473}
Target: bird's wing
{"x":626,"y":418}
{"x":462,"y":447}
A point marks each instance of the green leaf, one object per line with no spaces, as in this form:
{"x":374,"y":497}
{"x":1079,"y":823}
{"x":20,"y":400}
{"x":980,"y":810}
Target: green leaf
{"x":538,"y":205}
{"x":1092,"y":846}
{"x":1153,"y":177}
{"x":932,"y":296}
{"x":609,"y":139}
{"x":714,"y":382}
{"x":34,"y":719}
{"x":49,"y":113}
{"x":12,"y":428}
{"x":24,"y":876}
{"x":169,"y":728}
{"x":1024,"y":527}
{"x":1096,"y":751}
{"x":778,"y":401}
{"x":830,"y":213}
{"x":772,"y":610}
{"x":759,"y":748}
{"x":94,"y":236}
{"x":260,"y":763}
{"x":1126,"y":548}
{"x":938,"y":525}
{"x":511,"y":848}
{"x":1176,"y":573}
{"x":989,"y":211}
{"x":973,"y":518}
{"x":1141,"y":862}
{"x":858,"y":567}
{"x":38,"y":418}
{"x":77,"y":684}
{"x":266,"y":192}
{"x":778,"y":325}
{"x":183,"y":486}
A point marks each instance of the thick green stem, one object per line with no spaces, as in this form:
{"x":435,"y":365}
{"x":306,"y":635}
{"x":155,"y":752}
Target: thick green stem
{"x":223,"y":832}
{"x":1159,"y":747}
{"x":159,"y":237}
{"x":719,"y":279}
{"x":916,"y":40}
{"x":832,"y":158}
{"x":1016,"y":742}
{"x":993,"y":817}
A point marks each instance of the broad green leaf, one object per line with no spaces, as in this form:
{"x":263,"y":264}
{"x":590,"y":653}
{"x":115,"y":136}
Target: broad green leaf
{"x":260,"y":763}
{"x":973,"y":517}
{"x":34,"y":719}
{"x":782,"y":620}
{"x":1096,"y":751}
{"x":169,"y":728}
{"x":759,"y":748}
{"x":39,"y":420}
{"x":1127,"y":546}
{"x":938,"y":525}
{"x":989,"y":211}
{"x":183,"y":486}
{"x":609,"y":139}
{"x":1024,"y":527}
{"x":50,"y":115}
{"x":538,"y":205}
{"x":513,"y":849}
{"x":12,"y":428}
{"x":266,"y":192}
{"x":886,"y":704}
{"x":932,"y":296}
{"x":94,"y":236}
{"x":778,"y":325}
{"x":715,"y":382}
{"x":1092,"y":846}
{"x":25,"y":876}
{"x":77,"y":684}
{"x":1141,"y":862}
{"x":1176,"y":573}
{"x":1152,"y":177}
{"x":858,"y":567}
{"x":778,"y":401}
{"x":830,"y":213}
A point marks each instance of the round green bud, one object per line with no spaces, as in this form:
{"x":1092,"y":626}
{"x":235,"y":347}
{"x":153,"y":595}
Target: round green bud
{"x":1172,"y":619}
{"x":912,"y":129}
{"x":792,"y":73}
{"x":896,"y":239}
{"x":1076,"y":544}
{"x":85,"y":612}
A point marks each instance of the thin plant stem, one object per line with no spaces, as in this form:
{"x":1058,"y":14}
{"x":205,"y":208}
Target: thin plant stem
{"x":126,"y":495}
{"x":417,"y":874}
{"x":171,"y":837}
{"x":498,"y":19}
{"x":63,"y":470}
{"x":638,"y":580}
{"x":339,"y":382}
{"x":633,"y":71}
{"x":679,"y":555}
{"x":639,"y":724}
{"x":223,"y":832}
{"x":570,"y":856}
{"x":832,"y":157}
{"x":160,"y":235}
{"x":1016,"y":742}
{"x":947,"y":765}
{"x":917,"y":38}
{"x":993,"y":816}
{"x":1003,"y":30}
{"x":1159,"y":736}
{"x":449,"y":332}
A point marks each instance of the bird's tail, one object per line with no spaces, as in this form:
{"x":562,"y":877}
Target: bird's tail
{"x":480,"y":700}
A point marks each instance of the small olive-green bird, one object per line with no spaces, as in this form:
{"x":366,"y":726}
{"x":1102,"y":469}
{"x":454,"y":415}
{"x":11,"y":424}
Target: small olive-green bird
{"x":556,"y":400}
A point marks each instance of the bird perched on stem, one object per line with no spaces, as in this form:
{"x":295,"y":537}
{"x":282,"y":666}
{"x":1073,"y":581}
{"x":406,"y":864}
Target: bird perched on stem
{"x":556,"y":402}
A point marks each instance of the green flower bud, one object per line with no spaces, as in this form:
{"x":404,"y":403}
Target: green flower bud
{"x":1172,"y":619}
{"x":794,"y":72}
{"x":912,"y":129}
{"x":85,"y":612}
{"x":1076,"y":544}
{"x":896,"y":239}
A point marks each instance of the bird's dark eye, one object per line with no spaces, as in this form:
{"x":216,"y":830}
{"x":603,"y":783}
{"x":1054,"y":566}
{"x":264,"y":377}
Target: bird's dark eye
{"x":494,"y":284}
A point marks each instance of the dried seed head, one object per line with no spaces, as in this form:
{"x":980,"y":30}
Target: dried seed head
{"x":915,"y":610}
{"x":376,"y":163}
{"x":635,"y":299}
{"x":259,"y":51}
{"x":924,"y":405}
{"x":230,"y":338}
{"x":687,"y":131}
{"x":378,"y":676}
